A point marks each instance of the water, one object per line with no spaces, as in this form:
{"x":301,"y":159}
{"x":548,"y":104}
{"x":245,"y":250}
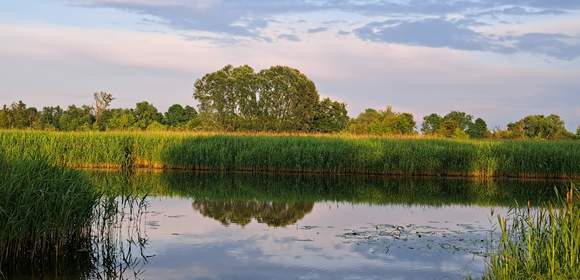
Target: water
{"x":322,"y":240}
{"x":244,"y":226}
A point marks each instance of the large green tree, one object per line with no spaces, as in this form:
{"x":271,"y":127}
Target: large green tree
{"x":120,"y":119}
{"x":478,"y":129}
{"x":279,"y":98}
{"x":385,"y":122}
{"x":77,"y":118}
{"x":19,"y":116}
{"x":431,"y":123}
{"x":227,"y":98}
{"x":50,"y":118}
{"x":331,"y":116}
{"x":146,"y":114}
{"x":287,"y":99}
{"x":178,"y":116}
{"x":455,"y":124}
{"x":539,"y":126}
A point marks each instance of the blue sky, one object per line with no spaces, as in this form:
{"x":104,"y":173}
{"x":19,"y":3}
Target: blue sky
{"x":496,"y":59}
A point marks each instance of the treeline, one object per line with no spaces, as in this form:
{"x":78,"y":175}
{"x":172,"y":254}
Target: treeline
{"x":277,"y":99}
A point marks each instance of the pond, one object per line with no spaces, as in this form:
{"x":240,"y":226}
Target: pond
{"x":248,"y":226}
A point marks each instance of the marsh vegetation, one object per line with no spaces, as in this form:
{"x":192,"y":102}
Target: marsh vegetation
{"x":298,"y":153}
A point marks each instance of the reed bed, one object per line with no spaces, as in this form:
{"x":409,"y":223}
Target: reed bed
{"x":326,"y":154}
{"x":539,"y":243}
{"x":45,"y":214}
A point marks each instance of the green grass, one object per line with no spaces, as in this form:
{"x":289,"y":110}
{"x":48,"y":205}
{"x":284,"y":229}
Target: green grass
{"x":45,"y":213}
{"x":539,"y":243}
{"x":299,"y":153}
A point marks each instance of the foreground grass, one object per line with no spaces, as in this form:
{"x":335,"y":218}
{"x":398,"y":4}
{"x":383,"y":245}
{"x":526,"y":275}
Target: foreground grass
{"x":540,"y":244}
{"x":45,"y":213}
{"x":299,"y":153}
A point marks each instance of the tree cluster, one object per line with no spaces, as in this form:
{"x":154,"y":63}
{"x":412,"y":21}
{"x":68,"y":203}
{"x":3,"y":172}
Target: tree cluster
{"x":279,"y":98}
{"x":378,"y":122}
{"x":539,"y":127}
{"x":74,"y":118}
{"x":455,"y":125}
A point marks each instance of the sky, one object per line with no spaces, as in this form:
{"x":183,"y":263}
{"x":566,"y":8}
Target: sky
{"x":495,"y":59}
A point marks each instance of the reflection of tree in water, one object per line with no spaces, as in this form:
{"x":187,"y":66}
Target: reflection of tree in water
{"x":242,"y":212}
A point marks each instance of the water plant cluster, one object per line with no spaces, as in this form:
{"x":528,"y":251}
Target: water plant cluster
{"x":299,"y":153}
{"x":54,"y":221}
{"x":46,"y":213}
{"x":539,"y":243}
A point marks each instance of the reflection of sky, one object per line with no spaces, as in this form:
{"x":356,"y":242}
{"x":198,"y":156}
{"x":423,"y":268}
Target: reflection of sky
{"x":498,"y":59}
{"x":190,"y":246}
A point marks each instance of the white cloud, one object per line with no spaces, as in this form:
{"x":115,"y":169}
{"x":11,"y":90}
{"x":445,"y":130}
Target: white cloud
{"x":162,"y":67}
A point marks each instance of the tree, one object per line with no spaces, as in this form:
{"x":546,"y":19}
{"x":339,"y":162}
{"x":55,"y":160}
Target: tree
{"x":20,"y":116}
{"x":50,"y":117}
{"x":431,"y":124}
{"x":516,"y":130}
{"x":120,"y":119}
{"x":578,"y":132}
{"x":228,"y":98}
{"x":145,"y":114}
{"x":178,"y":116}
{"x":405,"y":123}
{"x":277,"y":99}
{"x":331,"y":116}
{"x":385,"y":122}
{"x":478,"y":129}
{"x":454,"y":124}
{"x":4,"y":119}
{"x":460,"y":119}
{"x":287,"y":99}
{"x":102,"y":102}
{"x":77,"y":118}
{"x":539,"y":126}
{"x":364,"y":121}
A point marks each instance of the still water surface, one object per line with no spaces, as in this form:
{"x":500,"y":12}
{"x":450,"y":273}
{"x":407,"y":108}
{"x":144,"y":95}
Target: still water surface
{"x":327,"y":240}
{"x":247,"y":226}
{"x":243,"y":226}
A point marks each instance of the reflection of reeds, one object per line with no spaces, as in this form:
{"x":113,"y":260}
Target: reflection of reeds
{"x":119,"y":238}
{"x":541,"y":243}
{"x":300,"y":153}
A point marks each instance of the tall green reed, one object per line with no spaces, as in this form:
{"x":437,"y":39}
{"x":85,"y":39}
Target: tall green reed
{"x":300,"y":154}
{"x":541,"y":243}
{"x":45,"y":212}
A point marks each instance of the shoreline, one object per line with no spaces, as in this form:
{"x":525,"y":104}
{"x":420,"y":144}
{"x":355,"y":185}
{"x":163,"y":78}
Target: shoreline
{"x":163,"y":168}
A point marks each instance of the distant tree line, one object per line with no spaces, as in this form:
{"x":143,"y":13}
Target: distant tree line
{"x":143,"y":116}
{"x":277,"y":99}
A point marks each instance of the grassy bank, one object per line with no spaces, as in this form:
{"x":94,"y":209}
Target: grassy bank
{"x":300,"y":153}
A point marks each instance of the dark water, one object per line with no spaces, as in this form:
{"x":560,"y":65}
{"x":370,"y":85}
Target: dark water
{"x":244,"y":226}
